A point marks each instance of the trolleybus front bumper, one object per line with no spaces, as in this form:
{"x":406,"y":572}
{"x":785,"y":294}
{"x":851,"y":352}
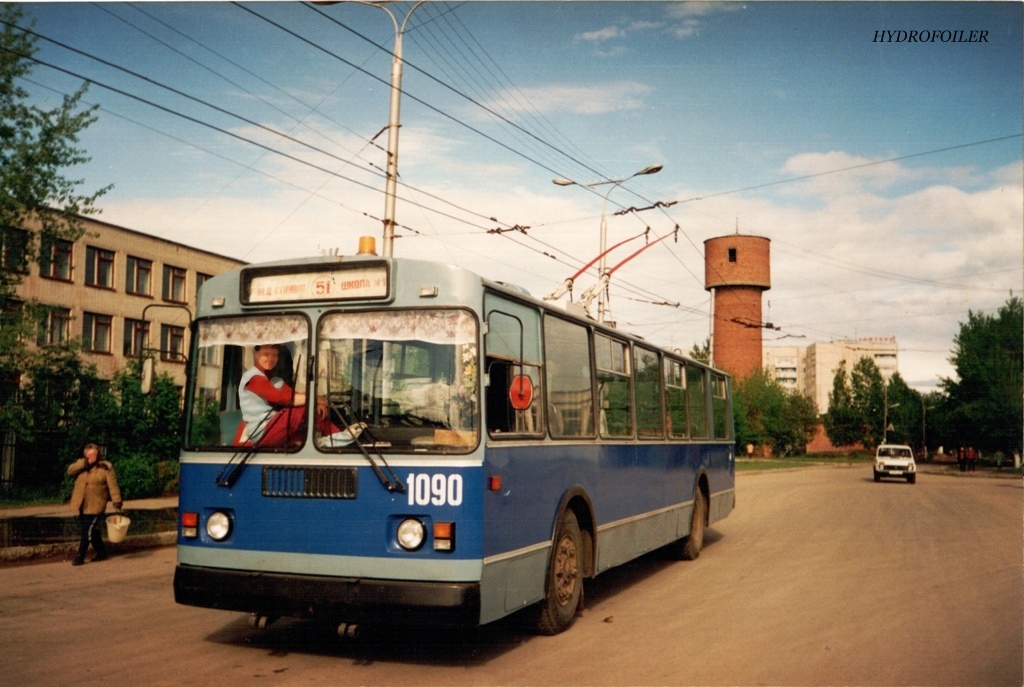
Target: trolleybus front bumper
{"x":385,"y":602}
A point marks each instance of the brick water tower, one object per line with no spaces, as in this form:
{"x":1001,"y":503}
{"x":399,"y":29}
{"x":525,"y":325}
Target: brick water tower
{"x":737,"y":271}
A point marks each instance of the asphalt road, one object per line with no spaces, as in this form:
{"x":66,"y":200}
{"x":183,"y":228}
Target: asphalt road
{"x":819,"y":577}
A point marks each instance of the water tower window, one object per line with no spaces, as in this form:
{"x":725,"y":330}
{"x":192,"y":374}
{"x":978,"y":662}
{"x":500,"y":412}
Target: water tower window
{"x":732,"y":255}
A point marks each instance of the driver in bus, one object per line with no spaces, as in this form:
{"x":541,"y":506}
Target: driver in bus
{"x":274,"y":414}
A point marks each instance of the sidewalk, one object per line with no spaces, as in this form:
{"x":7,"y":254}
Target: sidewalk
{"x":66,"y":550}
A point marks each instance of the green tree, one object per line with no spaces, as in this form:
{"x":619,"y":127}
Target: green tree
{"x":760,"y":399}
{"x":36,"y":147}
{"x":843,"y":423}
{"x":800,"y":422}
{"x":984,"y":402}
{"x":140,"y":431}
{"x":702,"y":352}
{"x":768,"y":414}
{"x":904,"y":414}
{"x":58,"y":400}
{"x":868,"y":399}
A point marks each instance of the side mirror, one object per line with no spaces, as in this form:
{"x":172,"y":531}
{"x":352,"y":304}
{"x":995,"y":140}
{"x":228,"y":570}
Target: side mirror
{"x":147,"y":375}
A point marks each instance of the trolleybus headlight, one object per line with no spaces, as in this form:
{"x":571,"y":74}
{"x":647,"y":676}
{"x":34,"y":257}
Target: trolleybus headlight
{"x":411,"y":534}
{"x":218,"y":526}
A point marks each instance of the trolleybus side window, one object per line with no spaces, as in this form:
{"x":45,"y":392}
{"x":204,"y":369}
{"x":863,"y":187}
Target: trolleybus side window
{"x":720,"y":407}
{"x":512,"y":388}
{"x":410,"y":377}
{"x":649,"y":415}
{"x":614,"y":383}
{"x":224,"y":350}
{"x":675,"y":399}
{"x":570,"y":404}
{"x":696,"y":394}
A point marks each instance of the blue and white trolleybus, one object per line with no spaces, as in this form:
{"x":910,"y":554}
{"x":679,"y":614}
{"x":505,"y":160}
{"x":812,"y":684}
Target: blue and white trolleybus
{"x":393,"y":441}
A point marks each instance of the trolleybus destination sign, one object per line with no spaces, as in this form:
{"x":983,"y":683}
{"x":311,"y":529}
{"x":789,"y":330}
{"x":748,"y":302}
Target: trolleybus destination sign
{"x":315,"y":284}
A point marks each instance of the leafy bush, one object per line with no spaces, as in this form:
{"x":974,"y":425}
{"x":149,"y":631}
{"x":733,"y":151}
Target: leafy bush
{"x":137,"y":476}
{"x":169,"y":475}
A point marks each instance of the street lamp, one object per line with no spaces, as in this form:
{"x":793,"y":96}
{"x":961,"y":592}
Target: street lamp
{"x":394,"y":119}
{"x":601,"y":269}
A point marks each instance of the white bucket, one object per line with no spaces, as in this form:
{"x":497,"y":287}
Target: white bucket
{"x":117,"y":527}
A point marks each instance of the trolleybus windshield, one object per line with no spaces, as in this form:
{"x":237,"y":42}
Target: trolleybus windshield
{"x":408,"y":378}
{"x":410,"y":375}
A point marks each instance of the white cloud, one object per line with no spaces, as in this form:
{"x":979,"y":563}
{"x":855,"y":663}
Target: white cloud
{"x":605,"y":34}
{"x":576,"y":99}
{"x":685,"y":29}
{"x":684,"y":20}
{"x":854,"y":257}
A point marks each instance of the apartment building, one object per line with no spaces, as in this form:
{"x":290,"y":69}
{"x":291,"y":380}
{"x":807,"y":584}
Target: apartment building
{"x":124,"y":293}
{"x":787,"y":364}
{"x":813,"y":369}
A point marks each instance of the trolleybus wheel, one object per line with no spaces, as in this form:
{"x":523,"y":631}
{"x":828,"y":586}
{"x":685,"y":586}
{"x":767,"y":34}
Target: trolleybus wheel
{"x":694,"y":542}
{"x":565,"y":581}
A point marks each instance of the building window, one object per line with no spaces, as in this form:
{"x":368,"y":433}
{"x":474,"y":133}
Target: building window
{"x":55,"y":258}
{"x":732,"y":255}
{"x":96,"y":332}
{"x":136,"y":337}
{"x":139,"y":276}
{"x":201,"y":279}
{"x":174,"y":284}
{"x":172,"y":343}
{"x":14,"y":250}
{"x":99,"y":267}
{"x":54,"y":326}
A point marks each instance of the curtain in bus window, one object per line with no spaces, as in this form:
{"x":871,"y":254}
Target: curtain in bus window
{"x":250,"y":331}
{"x":613,"y":387}
{"x":696,"y":394}
{"x":567,"y":370}
{"x":432,"y":326}
{"x":649,"y":416}
{"x":675,"y":398}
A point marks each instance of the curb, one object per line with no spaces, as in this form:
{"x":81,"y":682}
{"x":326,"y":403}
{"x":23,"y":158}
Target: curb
{"x":18,"y":555}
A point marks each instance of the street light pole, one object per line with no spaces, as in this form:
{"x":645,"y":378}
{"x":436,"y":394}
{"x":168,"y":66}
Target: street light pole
{"x":394,"y":119}
{"x":602,"y":305}
{"x":394,"y":122}
{"x":885,"y":413}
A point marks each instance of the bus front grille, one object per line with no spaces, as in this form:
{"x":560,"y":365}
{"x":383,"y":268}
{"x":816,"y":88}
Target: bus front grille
{"x":311,"y":482}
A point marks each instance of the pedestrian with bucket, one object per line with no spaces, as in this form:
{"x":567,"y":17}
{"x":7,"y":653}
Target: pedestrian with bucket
{"x":95,"y":485}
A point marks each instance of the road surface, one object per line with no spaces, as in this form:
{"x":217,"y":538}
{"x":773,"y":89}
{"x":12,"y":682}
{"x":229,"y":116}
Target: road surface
{"x":819,"y":577}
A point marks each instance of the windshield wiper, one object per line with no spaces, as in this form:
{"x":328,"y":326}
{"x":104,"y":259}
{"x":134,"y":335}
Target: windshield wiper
{"x":390,"y":481}
{"x":233,"y":470}
{"x":228,"y":479}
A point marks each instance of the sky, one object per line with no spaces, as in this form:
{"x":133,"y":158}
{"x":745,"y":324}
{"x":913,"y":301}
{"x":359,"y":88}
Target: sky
{"x":887,"y":173}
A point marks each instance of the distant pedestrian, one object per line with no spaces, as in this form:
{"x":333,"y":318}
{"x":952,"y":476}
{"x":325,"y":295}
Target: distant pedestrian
{"x":95,"y":485}
{"x":972,"y":458}
{"x":961,"y":459}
